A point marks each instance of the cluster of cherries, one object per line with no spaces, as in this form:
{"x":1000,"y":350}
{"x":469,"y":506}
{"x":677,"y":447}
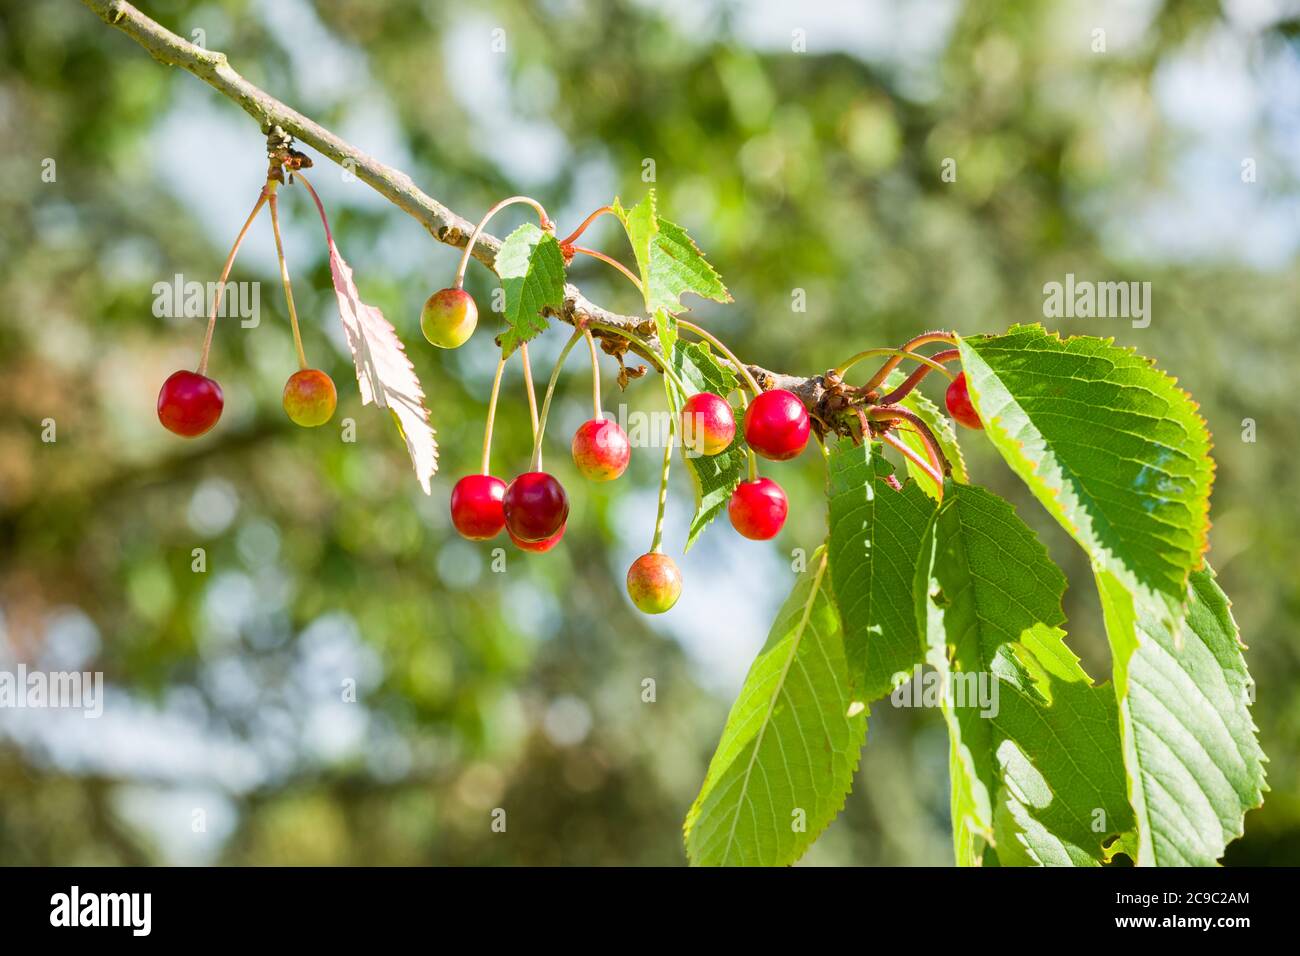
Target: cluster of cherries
{"x":190,"y":403}
{"x":533,"y":508}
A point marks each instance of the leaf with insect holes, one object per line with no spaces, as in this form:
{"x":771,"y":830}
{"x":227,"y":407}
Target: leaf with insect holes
{"x":875,"y":542}
{"x":715,"y":477}
{"x":1036,"y":766}
{"x":385,"y":374}
{"x":669,"y":261}
{"x":1194,"y":761}
{"x":791,"y":743}
{"x":531,"y":268}
{"x":940,"y":426}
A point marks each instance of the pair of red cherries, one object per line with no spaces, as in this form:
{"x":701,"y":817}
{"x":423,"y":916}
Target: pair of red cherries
{"x":533,"y":508}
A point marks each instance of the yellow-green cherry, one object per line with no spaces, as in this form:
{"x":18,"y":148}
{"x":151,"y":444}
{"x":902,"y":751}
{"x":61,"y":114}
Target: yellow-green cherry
{"x":310,"y":398}
{"x":448,"y":318}
{"x":654,"y":583}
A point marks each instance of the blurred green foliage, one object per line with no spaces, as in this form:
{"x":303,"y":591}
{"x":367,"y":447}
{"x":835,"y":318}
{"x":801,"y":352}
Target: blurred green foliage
{"x":809,"y":174}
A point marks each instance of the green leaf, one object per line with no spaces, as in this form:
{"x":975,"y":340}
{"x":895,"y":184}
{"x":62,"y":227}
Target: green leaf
{"x":531,"y":268}
{"x":666,"y":331}
{"x":916,"y":403}
{"x":1194,"y":764}
{"x":791,"y":744}
{"x":641,"y":223}
{"x":1035,"y":750}
{"x":714,"y":477}
{"x":875,"y":541}
{"x":1114,"y":450}
{"x":669,"y":261}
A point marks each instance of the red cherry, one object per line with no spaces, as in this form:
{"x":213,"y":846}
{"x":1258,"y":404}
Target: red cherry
{"x":758,"y":508}
{"x":708,"y":426}
{"x":539,"y":547}
{"x":476,"y":509}
{"x":777,"y":425}
{"x":959,"y":404}
{"x":535,"y":506}
{"x":601,"y":450}
{"x":309,"y":398}
{"x":189,"y":403}
{"x":654,"y":583}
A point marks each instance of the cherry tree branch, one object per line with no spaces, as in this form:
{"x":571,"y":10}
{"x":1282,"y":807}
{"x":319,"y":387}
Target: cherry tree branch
{"x":394,"y":185}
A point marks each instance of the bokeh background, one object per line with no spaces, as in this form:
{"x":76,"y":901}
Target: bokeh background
{"x":816,"y":170}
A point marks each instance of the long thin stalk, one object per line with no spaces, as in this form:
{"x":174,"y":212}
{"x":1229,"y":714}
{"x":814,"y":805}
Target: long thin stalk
{"x":573,"y":236}
{"x":550,"y":393}
{"x":221,"y":286}
{"x":492,"y":414}
{"x":717,"y":343}
{"x":656,"y":541}
{"x":918,"y":374}
{"x":284,"y":274}
{"x":925,"y":338}
{"x":482,"y":224}
{"x":611,"y":261}
{"x":595,"y":376}
{"x":528,"y":386}
{"x":916,"y":459}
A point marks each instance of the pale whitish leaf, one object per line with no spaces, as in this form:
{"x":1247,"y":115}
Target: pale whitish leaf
{"x":667,"y":258}
{"x":714,"y":477}
{"x":875,"y":541}
{"x":531,"y":268}
{"x":385,"y":374}
{"x":1190,"y":746}
{"x":791,"y":743}
{"x":1036,"y":770}
{"x":940,"y":425}
{"x":1110,"y":445}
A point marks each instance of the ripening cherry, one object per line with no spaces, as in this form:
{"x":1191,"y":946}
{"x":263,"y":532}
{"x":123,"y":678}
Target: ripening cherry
{"x":310,"y":398}
{"x":777,"y":424}
{"x":601,"y":450}
{"x":708,"y":426}
{"x":538,"y":547}
{"x":535,"y":506}
{"x":758,"y":509}
{"x":189,"y":403}
{"x":654,"y":583}
{"x":448,"y":318}
{"x":959,"y":403}
{"x":476,"y":508}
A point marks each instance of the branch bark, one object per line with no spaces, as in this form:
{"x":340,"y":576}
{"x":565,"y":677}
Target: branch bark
{"x":394,"y":185}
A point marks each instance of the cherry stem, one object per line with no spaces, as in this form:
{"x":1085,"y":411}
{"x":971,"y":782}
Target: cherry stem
{"x":547,"y":226}
{"x":528,"y":386}
{"x":916,"y":459}
{"x":492,"y":414}
{"x":284,"y":273}
{"x":947,"y":355}
{"x":613,"y":262}
{"x":731,"y":356}
{"x":899,"y":354}
{"x":925,"y":338}
{"x":645,"y":349}
{"x":550,"y":392}
{"x":922,"y":430}
{"x":221,"y":286}
{"x":753,"y":465}
{"x":329,"y":236}
{"x":573,"y":237}
{"x":657,"y":541}
{"x":595,"y":375}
